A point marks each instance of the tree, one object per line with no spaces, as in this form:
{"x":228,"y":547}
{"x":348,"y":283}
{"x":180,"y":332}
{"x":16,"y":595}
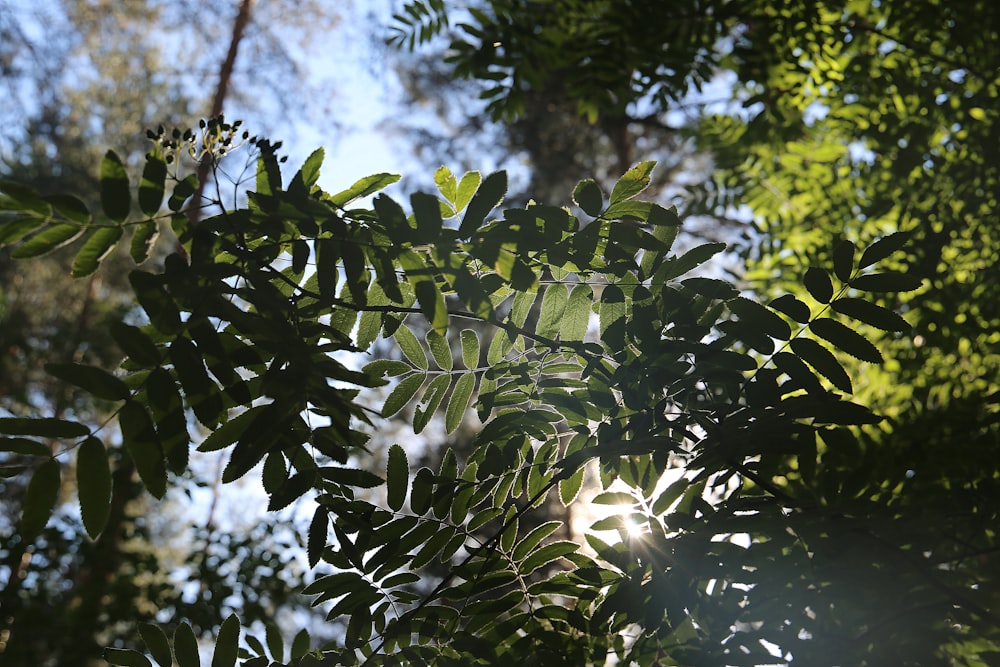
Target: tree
{"x":678,"y":372}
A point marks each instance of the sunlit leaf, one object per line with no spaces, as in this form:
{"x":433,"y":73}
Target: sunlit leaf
{"x":100,"y":242}
{"x":47,"y":240}
{"x":401,"y":394}
{"x":634,"y":181}
{"x":458,"y":404}
{"x":151,"y":187}
{"x":470,"y":349}
{"x":440,"y":350}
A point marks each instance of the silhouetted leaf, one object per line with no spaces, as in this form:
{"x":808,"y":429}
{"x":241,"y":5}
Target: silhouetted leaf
{"x":883,"y":248}
{"x":116,"y":198}
{"x":588,"y":196}
{"x":227,"y":643}
{"x":157,"y":644}
{"x":95,"y":380}
{"x":843,"y":260}
{"x":151,"y":187}
{"x":126,"y":658}
{"x":817,"y":282}
{"x":887,"y":282}
{"x":760,"y":317}
{"x":489,"y":195}
{"x":44,"y":427}
{"x":823,"y":361}
{"x":397,"y":477}
{"x":93,"y":481}
{"x":39,"y":499}
{"x":870,"y":313}
{"x":789,"y":305}
{"x":186,"y":646}
{"x":846,"y":339}
{"x":139,"y":436}
{"x":138,"y":347}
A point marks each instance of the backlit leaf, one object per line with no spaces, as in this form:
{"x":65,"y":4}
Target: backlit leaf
{"x":576,"y":316}
{"x":401,"y":394}
{"x":545,"y":555}
{"x":126,"y":658}
{"x":411,"y":347}
{"x":789,"y":305}
{"x":100,"y":242}
{"x":551,"y":311}
{"x":430,"y":401}
{"x":458,"y":404}
{"x":144,"y":237}
{"x":470,"y":349}
{"x":366,"y":186}
{"x":440,"y":350}
{"x":634,"y":181}
{"x":43,"y":427}
{"x":46,"y":241}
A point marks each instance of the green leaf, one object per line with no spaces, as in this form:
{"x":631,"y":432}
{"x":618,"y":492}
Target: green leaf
{"x":576,"y":316}
{"x":846,"y":339}
{"x":300,"y":645}
{"x":887,"y":282}
{"x":310,"y":172}
{"x":588,"y":196}
{"x":402,"y":393}
{"x":40,"y":499}
{"x":71,"y":207}
{"x":618,"y":498}
{"x":692,"y":259}
{"x":843,"y":260}
{"x":817,"y":282}
{"x":870,"y":313}
{"x":43,"y":427}
{"x":789,"y":305}
{"x":489,"y":195}
{"x":139,"y":437}
{"x":446,"y":183}
{"x":470,"y":349}
{"x":144,"y":237}
{"x":550,"y":313}
{"x":126,"y":658}
{"x":429,"y":296}
{"x":182,"y":192}
{"x":227,"y":643}
{"x":151,"y":187}
{"x":546,"y":555}
{"x":186,"y":646}
{"x":93,"y":481}
{"x":440,"y":350}
{"x":458,"y":404}
{"x":397,"y":477}
{"x":411,"y":348}
{"x":532,"y":539}
{"x":116,"y":198}
{"x":157,"y":644}
{"x":467,"y":189}
{"x":98,"y":245}
{"x":883,"y":248}
{"x":47,"y":240}
{"x":231,"y":430}
{"x":13,"y":230}
{"x":95,"y":380}
{"x":612,"y":317}
{"x":823,"y":361}
{"x":634,"y":181}
{"x":366,"y":186}
{"x":430,"y":401}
